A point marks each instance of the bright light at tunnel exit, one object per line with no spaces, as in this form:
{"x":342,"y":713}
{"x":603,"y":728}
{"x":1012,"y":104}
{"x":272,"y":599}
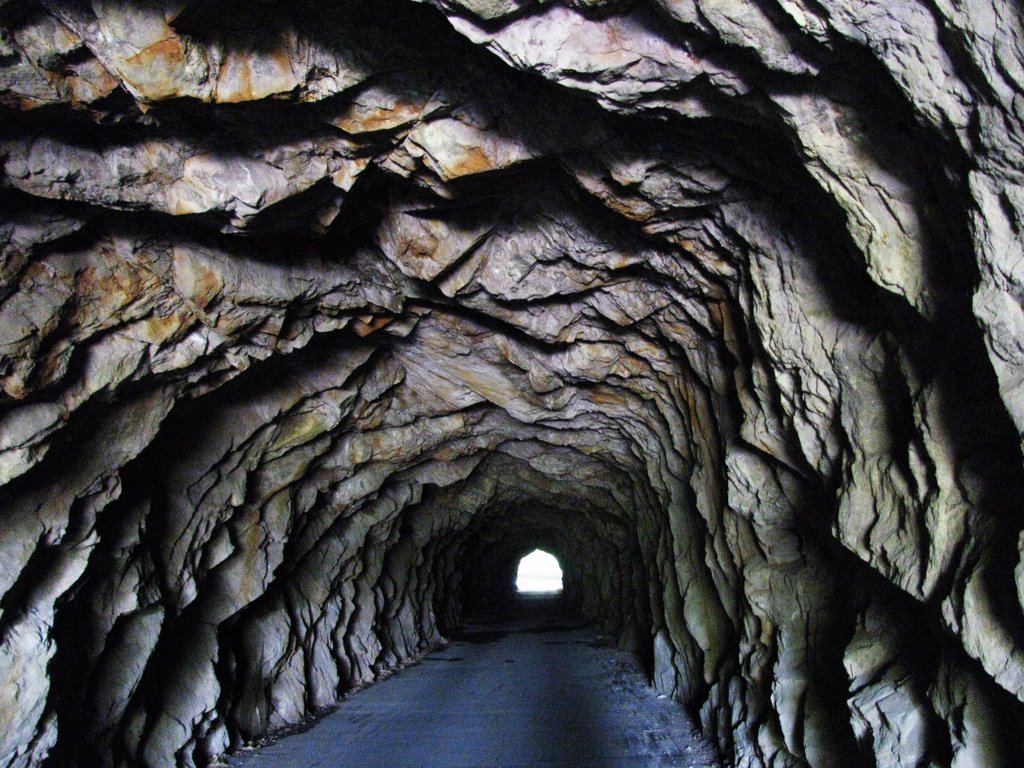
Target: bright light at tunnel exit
{"x":539,"y":572}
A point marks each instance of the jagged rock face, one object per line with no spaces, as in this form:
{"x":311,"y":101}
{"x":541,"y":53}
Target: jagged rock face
{"x":315,"y":317}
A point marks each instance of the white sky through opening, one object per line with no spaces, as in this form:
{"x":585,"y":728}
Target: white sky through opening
{"x":539,"y":572}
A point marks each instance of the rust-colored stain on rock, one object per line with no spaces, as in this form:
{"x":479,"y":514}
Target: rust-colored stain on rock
{"x":155,"y":71}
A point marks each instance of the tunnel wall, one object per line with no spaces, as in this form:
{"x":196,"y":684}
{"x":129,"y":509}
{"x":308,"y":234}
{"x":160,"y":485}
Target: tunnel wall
{"x":312,"y":315}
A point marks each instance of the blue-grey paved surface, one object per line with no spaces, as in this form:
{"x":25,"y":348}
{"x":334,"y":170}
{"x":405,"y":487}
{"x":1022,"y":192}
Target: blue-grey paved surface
{"x":504,"y":696}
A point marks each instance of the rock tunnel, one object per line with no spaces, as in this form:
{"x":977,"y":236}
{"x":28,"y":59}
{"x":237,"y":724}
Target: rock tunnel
{"x":315,"y":317}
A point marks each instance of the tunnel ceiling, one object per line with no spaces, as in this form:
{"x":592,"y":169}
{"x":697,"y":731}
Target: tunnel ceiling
{"x":315,"y":316}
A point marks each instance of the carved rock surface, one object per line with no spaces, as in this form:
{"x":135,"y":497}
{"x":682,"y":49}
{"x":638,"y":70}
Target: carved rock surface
{"x":316,"y":317}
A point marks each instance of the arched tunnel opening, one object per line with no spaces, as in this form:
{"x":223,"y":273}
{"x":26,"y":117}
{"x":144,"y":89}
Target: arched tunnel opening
{"x":539,"y":572}
{"x":316,"y":318}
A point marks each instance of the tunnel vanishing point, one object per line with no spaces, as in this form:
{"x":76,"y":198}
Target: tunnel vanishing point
{"x":315,"y":317}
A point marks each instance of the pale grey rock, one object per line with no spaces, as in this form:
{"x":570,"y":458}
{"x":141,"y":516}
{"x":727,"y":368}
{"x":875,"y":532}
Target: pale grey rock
{"x":907,"y":39}
{"x":45,"y":62}
{"x":179,"y":179}
{"x":744,"y":25}
{"x":622,"y":59}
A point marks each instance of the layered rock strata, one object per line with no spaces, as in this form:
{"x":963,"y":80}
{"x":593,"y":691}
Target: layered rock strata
{"x":315,"y":317}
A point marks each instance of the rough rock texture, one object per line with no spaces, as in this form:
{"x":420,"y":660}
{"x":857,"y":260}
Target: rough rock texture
{"x":316,"y":316}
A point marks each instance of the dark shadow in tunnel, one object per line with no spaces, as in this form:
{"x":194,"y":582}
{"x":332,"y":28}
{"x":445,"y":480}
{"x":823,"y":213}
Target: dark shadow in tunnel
{"x":527,"y":613}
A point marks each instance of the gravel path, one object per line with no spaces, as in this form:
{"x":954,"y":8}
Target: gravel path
{"x":532,"y":692}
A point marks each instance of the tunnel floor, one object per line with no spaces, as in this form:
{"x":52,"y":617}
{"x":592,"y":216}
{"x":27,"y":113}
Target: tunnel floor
{"x":527,"y":687}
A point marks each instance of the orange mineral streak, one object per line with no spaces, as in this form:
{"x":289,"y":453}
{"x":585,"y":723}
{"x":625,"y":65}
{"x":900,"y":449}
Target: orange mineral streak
{"x":207,"y":287}
{"x":234,"y":81}
{"x":253,"y":555}
{"x":601,"y":395}
{"x":160,"y":327}
{"x":167,"y":52}
{"x":368,"y":324}
{"x":283,"y":59}
{"x":701,"y":254}
{"x":152,"y":70}
{"x":359,"y":120}
{"x":239,"y":81}
{"x":639,"y":211}
{"x":472,"y":162}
